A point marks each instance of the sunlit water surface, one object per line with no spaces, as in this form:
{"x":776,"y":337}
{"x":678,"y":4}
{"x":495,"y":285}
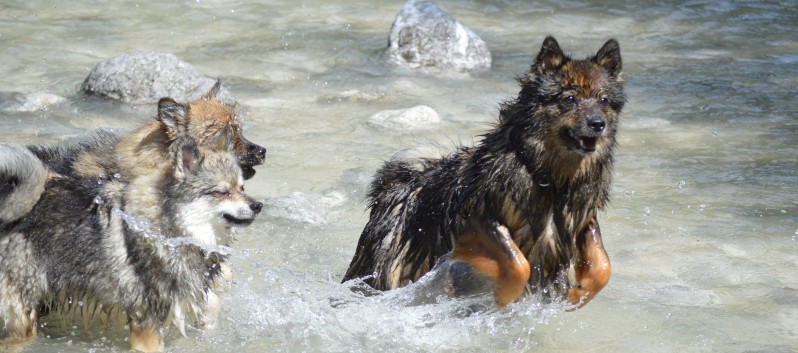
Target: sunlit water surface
{"x":703,"y":226}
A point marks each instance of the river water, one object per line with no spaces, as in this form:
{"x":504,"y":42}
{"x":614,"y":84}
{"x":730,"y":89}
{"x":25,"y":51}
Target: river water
{"x":702,"y":229}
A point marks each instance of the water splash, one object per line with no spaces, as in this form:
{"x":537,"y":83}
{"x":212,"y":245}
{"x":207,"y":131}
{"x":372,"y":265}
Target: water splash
{"x":145,"y":229}
{"x":141,"y":226}
{"x":291,"y":312}
{"x":307,"y":208}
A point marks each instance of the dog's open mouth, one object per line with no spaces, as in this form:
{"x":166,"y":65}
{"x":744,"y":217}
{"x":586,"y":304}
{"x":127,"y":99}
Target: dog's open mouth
{"x":238,"y":221}
{"x":587,"y":144}
{"x":247,"y":172}
{"x":584,"y":142}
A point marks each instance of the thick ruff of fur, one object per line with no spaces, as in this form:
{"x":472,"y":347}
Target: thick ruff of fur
{"x":82,"y":243}
{"x":520,"y":207}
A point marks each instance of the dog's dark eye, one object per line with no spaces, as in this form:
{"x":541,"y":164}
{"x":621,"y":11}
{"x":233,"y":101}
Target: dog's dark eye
{"x":604,"y":100}
{"x":568,"y":102}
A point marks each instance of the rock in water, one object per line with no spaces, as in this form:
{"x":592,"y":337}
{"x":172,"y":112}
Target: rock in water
{"x":145,"y":77}
{"x":423,"y":35}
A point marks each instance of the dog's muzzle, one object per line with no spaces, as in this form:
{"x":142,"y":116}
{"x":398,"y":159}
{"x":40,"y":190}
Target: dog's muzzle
{"x":245,"y":218}
{"x":585,"y":138}
{"x":254,"y":155}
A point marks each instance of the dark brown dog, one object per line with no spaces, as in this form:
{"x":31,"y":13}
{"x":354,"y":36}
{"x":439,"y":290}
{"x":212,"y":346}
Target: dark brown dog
{"x":520,"y":207}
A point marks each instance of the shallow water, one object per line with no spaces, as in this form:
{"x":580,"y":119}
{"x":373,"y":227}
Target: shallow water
{"x":703,"y":226}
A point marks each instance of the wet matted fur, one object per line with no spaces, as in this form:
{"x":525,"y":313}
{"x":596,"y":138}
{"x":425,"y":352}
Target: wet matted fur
{"x":520,"y":206}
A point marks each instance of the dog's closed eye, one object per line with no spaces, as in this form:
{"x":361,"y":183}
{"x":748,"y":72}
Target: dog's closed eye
{"x":220,"y":193}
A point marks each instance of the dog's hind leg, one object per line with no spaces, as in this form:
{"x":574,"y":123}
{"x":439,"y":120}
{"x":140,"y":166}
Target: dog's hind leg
{"x":211,"y":307}
{"x":493,"y":254}
{"x":592,"y":268}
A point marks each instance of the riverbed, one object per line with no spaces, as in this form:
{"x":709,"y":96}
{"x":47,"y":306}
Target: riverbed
{"x":702,"y":229}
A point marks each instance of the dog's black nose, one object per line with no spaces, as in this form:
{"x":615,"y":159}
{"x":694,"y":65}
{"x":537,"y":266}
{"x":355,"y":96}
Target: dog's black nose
{"x":256,"y":207}
{"x":257,"y":151}
{"x":596,"y":122}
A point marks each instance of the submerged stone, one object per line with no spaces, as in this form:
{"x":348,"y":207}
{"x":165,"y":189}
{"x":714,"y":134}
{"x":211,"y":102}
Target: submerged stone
{"x":19,"y":102}
{"x":423,"y":35}
{"x":419,"y":116}
{"x":145,"y":77}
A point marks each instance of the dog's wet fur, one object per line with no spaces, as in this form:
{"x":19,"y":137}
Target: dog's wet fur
{"x":124,"y":225}
{"x":520,"y":207}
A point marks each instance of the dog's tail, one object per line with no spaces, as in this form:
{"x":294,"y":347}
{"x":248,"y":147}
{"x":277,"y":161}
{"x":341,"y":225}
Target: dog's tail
{"x":22,"y":179}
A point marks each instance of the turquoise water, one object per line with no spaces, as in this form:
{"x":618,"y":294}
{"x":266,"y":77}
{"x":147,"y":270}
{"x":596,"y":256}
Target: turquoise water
{"x":702,"y":230}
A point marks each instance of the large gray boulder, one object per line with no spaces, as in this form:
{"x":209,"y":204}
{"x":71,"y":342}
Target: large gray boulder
{"x":144,"y":77}
{"x":424,"y":36}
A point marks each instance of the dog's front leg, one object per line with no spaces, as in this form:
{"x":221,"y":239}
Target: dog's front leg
{"x":18,"y":323}
{"x":492,"y":253}
{"x":145,"y":338}
{"x":592,"y":268}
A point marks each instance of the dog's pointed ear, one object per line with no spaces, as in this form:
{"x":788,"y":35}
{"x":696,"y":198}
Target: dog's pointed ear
{"x":609,"y":58}
{"x":550,"y":56}
{"x":186,"y":159}
{"x":172,"y":116}
{"x":214,"y":92}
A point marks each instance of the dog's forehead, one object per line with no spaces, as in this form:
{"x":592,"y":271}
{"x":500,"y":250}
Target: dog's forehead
{"x":584,"y":76}
{"x":207,"y":117}
{"x":212,"y":112}
{"x":223,"y":167}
